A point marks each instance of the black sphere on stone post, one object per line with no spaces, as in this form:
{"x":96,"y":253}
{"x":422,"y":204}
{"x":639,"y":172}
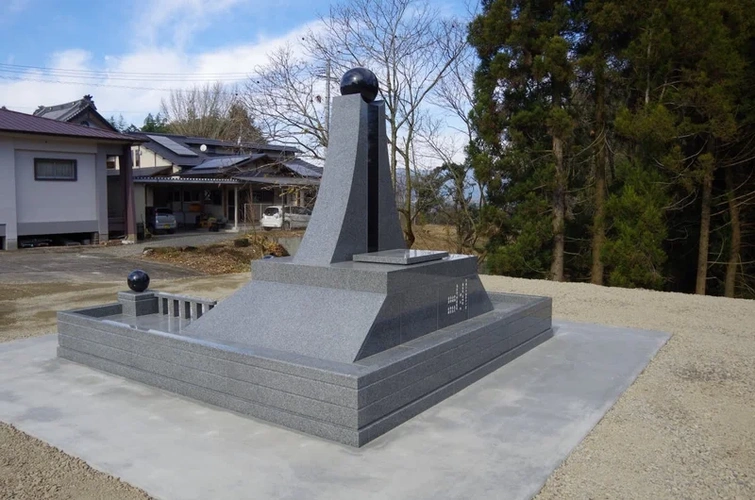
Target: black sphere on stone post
{"x":360,"y":81}
{"x":138,"y":281}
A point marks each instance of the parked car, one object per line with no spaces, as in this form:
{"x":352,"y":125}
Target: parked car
{"x":162,"y":219}
{"x":285,"y":217}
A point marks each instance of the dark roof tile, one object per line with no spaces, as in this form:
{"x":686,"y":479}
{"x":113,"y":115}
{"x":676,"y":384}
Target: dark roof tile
{"x":13,"y":121}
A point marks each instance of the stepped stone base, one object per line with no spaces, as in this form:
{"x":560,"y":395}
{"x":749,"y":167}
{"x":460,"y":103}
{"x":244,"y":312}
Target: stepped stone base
{"x":352,"y":403}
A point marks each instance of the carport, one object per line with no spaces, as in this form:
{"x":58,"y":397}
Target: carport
{"x":189,"y":197}
{"x":240,"y":199}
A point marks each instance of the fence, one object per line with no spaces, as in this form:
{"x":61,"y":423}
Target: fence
{"x":182,"y":306}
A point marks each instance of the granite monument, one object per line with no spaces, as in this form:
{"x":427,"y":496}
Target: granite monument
{"x":346,"y":340}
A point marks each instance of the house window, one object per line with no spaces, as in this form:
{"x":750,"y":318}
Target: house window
{"x":54,"y":169}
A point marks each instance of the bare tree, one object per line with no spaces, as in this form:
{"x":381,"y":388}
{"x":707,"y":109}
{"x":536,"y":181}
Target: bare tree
{"x":287,"y":98}
{"x":409,"y":44}
{"x":445,"y":138}
{"x":212,"y":111}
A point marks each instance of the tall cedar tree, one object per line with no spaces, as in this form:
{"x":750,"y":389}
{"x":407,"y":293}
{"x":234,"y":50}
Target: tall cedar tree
{"x":521,"y":116}
{"x":617,"y":141}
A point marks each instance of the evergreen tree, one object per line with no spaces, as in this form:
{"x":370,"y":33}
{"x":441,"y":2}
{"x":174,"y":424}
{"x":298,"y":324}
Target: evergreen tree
{"x":522,"y":118}
{"x":616,"y":140}
{"x":157,"y":124}
{"x":119,"y":123}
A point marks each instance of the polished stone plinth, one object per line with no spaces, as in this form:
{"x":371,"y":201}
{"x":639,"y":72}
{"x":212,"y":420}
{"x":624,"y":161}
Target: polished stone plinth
{"x":351,"y":403}
{"x":345,"y":311}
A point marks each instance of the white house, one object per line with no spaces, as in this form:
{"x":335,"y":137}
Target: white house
{"x":53,"y":179}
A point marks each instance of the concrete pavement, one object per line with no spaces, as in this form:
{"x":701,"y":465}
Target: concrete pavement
{"x":499,"y":438}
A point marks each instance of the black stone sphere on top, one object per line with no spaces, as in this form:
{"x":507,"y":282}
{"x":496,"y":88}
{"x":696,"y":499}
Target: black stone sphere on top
{"x":360,"y":81}
{"x":138,"y":281}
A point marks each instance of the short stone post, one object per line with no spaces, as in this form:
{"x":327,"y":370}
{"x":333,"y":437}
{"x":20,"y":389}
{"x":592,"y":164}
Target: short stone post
{"x":138,"y":303}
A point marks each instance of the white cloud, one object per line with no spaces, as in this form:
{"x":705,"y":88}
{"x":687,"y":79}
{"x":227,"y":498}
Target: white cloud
{"x":135,"y":98}
{"x":178,"y":19}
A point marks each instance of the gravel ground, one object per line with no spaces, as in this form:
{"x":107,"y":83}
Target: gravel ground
{"x":31,"y":469}
{"x":685,"y":429}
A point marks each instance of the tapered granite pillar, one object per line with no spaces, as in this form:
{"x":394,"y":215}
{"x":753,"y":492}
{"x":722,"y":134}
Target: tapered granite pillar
{"x":355,"y":211}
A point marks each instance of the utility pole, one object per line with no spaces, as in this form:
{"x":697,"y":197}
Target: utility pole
{"x":327,"y":97}
{"x":328,"y":77}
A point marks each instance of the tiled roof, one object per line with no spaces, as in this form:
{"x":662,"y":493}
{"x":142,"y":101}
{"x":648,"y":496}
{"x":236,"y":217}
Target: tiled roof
{"x":246,"y":145}
{"x":62,"y":112}
{"x":278,"y":181}
{"x":67,"y":112}
{"x":142,"y":171}
{"x":153,"y":143}
{"x":185,"y":180}
{"x":221,"y":163}
{"x":303,"y":168}
{"x":13,"y":121}
{"x":194,"y":143}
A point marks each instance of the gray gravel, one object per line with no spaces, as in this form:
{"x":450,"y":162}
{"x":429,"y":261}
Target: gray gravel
{"x":686,"y":427}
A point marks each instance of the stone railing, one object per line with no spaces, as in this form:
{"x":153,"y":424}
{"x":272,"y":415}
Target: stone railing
{"x":182,"y":306}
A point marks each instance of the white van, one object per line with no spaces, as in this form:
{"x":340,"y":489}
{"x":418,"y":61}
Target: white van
{"x":285,"y":217}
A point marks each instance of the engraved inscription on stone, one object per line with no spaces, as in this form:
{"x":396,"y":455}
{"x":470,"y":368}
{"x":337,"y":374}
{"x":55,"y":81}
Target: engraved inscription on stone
{"x":459,"y":300}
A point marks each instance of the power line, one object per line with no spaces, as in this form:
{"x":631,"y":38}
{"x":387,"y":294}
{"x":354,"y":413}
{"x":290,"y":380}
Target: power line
{"x":96,"y":84}
{"x":195,"y":78}
{"x":122,"y":75}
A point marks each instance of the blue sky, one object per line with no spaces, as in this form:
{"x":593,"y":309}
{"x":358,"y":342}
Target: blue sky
{"x":145,"y":36}
{"x":112,"y":27}
{"x":129,"y":54}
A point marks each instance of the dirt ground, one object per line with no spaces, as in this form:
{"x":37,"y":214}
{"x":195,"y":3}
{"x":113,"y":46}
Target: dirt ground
{"x":232,"y":256}
{"x":685,"y":429}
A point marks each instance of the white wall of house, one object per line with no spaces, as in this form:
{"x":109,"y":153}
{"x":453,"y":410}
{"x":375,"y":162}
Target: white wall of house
{"x":103,"y":152}
{"x":147,"y":158}
{"x":55,"y":201}
{"x":41,"y":207}
{"x":149,"y":196}
{"x":8,"y":232}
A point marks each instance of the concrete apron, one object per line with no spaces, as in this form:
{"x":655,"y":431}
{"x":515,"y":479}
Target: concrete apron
{"x":499,"y":438}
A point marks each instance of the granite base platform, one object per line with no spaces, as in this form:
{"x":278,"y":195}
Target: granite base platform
{"x":351,"y":403}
